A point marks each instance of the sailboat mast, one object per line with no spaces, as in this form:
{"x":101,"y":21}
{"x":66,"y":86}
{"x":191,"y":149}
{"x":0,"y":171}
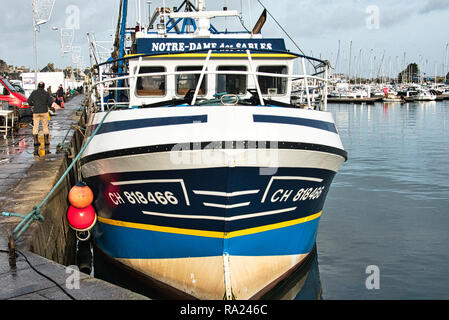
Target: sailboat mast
{"x":338,"y":58}
{"x":445,"y":63}
{"x":350,"y":58}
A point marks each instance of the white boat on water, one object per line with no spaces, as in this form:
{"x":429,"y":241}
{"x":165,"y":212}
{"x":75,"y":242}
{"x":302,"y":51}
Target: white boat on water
{"x":445,"y":93}
{"x":392,"y":96}
{"x":208,"y":182}
{"x":409,"y":94}
{"x":425,"y":95}
{"x":392,"y":99}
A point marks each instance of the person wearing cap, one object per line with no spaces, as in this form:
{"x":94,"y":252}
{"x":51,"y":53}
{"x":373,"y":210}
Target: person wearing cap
{"x":40,"y":100}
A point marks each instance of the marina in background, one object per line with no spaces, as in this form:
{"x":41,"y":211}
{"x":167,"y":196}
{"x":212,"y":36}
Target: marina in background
{"x":209,"y":161}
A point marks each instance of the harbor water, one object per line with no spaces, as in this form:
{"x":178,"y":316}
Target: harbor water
{"x":388,"y":208}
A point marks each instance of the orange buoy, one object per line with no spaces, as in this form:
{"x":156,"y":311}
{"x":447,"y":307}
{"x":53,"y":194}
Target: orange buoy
{"x":81,"y":219}
{"x":81,"y":196}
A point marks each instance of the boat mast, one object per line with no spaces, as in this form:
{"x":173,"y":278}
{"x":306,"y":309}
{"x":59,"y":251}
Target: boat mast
{"x":350,"y":59}
{"x":338,"y":58}
{"x":124,"y":16}
{"x":405,"y":68}
{"x":445,"y":64}
{"x":121,"y":46}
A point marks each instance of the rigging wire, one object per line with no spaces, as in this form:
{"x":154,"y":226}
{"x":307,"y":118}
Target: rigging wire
{"x":286,"y":33}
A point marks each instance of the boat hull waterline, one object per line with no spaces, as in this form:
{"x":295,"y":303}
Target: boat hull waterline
{"x":215,"y":219}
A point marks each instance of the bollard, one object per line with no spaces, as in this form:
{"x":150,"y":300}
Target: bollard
{"x":12,"y":252}
{"x":84,"y":257}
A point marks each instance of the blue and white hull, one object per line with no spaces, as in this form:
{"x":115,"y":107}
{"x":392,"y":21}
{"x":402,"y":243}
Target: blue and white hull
{"x":216,"y":202}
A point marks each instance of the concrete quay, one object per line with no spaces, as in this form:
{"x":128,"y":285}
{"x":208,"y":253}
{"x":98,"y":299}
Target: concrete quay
{"x":27,"y":175}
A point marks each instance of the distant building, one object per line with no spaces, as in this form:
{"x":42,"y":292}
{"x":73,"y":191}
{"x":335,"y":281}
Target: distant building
{"x":48,"y":68}
{"x":4,"y":68}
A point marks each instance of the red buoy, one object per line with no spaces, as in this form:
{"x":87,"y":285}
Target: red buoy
{"x":81,"y":196}
{"x":81,"y":219}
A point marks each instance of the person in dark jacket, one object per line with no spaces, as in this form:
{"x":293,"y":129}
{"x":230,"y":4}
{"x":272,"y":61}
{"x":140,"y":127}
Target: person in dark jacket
{"x":60,"y":96}
{"x":40,"y":100}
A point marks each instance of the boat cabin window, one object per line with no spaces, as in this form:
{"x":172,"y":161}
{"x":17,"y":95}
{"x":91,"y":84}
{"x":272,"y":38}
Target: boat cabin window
{"x":185,"y":82}
{"x":231,"y":83}
{"x":273,"y":85}
{"x":151,"y":85}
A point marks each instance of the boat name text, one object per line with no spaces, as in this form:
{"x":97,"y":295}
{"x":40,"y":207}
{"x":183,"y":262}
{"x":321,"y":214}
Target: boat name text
{"x":302,"y":194}
{"x":182,"y":47}
{"x":169,"y":198}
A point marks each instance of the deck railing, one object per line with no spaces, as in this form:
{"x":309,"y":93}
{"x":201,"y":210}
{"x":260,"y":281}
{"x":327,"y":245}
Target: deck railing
{"x":307,"y":81}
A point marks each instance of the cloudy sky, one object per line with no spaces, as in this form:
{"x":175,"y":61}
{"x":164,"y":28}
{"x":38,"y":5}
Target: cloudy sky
{"x":377,"y":28}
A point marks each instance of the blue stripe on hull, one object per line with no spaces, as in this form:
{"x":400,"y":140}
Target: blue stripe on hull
{"x":297,"y":239}
{"x":317,"y":124}
{"x":116,"y":126}
{"x":130,"y":243}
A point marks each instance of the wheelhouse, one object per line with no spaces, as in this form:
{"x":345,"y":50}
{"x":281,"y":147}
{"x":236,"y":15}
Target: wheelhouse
{"x":162,"y":78}
{"x":174,"y":65}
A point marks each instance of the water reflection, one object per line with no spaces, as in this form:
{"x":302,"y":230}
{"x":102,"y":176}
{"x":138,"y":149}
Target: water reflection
{"x":388,"y":204}
{"x":303,"y":284}
{"x":41,"y":150}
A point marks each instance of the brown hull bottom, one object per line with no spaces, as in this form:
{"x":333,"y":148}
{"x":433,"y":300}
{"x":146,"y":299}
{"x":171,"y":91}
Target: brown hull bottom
{"x":135,"y":280}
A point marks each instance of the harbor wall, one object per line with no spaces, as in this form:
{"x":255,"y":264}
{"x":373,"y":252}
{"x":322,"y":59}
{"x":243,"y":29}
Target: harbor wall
{"x":52,"y":239}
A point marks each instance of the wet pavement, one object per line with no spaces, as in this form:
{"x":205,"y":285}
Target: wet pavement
{"x":27,"y":174}
{"x":17,"y":152}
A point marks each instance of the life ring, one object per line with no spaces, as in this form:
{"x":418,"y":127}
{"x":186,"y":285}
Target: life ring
{"x":222,"y":98}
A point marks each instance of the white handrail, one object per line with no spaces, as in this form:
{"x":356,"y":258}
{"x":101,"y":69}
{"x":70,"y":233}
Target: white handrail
{"x":306,"y":82}
{"x":304,"y":77}
{"x":200,"y":81}
{"x":256,"y":81}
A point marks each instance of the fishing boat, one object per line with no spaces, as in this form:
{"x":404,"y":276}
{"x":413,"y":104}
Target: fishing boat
{"x":208,"y":182}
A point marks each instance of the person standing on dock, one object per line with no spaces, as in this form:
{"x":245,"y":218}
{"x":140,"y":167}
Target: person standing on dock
{"x":60,"y":96}
{"x":40,"y":100}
